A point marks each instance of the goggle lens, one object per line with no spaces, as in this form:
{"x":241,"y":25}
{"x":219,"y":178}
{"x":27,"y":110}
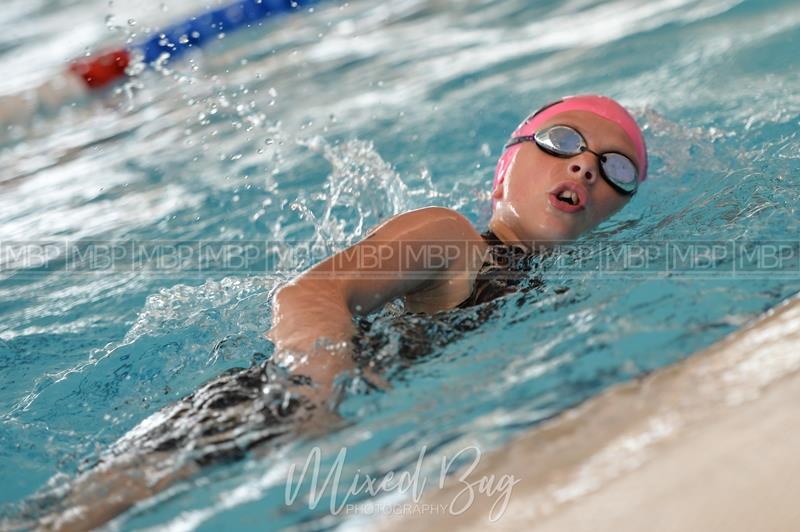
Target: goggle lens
{"x":620,"y":169}
{"x":560,"y":140}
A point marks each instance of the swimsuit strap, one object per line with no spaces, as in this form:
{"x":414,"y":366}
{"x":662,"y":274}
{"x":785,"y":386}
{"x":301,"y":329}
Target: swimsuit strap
{"x":504,"y":267}
{"x":491,"y":238}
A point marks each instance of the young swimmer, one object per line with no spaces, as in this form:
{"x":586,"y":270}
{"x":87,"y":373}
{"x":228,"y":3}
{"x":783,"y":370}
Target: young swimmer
{"x":566,"y":168}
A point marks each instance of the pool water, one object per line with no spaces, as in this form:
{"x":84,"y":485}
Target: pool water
{"x":315,"y":127}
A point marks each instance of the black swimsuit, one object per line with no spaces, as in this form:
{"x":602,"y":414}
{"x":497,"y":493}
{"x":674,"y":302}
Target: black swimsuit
{"x":385,"y":341}
{"x":245,"y":407}
{"x":501,"y":273}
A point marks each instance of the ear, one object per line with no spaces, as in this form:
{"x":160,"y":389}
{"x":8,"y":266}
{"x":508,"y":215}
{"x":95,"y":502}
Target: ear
{"x":497,"y":193}
{"x":499,"y":190}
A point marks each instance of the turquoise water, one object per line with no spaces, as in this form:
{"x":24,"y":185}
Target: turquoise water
{"x":315,"y":128}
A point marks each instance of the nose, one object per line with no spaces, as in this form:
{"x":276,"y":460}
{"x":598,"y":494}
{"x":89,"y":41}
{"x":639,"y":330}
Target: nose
{"x":585,"y":167}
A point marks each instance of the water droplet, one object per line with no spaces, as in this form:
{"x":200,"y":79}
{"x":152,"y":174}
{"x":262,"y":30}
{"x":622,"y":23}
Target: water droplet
{"x":183,"y":39}
{"x":131,"y":22}
{"x":272,"y":92}
{"x":111,"y":22}
{"x":269,"y":141}
{"x":160,"y":62}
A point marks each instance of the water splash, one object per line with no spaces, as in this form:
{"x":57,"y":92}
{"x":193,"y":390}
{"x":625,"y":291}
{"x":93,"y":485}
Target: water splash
{"x":360,"y":191}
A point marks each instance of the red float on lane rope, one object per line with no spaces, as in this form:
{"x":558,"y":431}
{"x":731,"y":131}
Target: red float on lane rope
{"x":98,"y":72}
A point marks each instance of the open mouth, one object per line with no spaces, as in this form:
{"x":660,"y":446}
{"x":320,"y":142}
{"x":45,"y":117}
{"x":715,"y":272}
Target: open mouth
{"x":568,"y":196}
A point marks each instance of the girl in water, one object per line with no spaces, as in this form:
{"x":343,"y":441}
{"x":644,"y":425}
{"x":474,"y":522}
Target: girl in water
{"x":566,"y":168}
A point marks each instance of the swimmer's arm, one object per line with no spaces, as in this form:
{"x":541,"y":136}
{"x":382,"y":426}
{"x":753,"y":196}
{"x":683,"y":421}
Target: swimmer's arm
{"x":392,"y":261}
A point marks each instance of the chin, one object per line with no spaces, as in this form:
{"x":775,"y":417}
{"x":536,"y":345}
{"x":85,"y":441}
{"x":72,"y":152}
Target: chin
{"x":557,"y":230}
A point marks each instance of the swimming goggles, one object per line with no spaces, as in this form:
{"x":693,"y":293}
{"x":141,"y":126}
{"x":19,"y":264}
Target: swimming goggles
{"x":565,"y":142}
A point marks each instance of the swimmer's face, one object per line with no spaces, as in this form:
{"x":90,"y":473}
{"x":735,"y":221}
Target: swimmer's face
{"x":527,"y":208}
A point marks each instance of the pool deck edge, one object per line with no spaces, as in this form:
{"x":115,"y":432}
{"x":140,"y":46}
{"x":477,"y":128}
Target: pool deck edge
{"x":706,"y":444}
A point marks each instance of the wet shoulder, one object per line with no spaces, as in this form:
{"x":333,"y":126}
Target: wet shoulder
{"x":432,"y":223}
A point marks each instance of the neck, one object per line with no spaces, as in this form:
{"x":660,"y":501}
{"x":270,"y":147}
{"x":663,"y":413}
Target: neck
{"x":507,"y":235}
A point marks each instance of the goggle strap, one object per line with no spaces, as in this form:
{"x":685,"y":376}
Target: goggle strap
{"x":519,"y":140}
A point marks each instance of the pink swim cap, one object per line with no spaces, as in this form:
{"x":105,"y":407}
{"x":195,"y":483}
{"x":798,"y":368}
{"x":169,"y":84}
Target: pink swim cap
{"x":601,"y":106}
